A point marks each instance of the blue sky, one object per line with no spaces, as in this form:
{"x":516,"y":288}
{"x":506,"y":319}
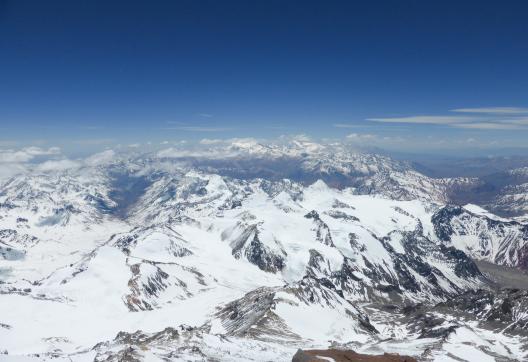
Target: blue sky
{"x":402,"y":75}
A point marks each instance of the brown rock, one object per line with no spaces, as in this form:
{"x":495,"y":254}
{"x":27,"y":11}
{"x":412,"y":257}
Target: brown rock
{"x":346,"y":356}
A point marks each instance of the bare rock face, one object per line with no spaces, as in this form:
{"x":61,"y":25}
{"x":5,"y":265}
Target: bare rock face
{"x":499,"y":241}
{"x":245,"y":242}
{"x":13,"y":245}
{"x":348,"y":356}
{"x":172,"y":343}
{"x":506,"y":308}
{"x":322,"y":231}
{"x":257,"y":314}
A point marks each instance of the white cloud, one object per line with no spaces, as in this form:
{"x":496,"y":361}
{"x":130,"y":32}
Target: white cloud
{"x":425,"y":119}
{"x":10,"y":169}
{"x":57,"y":165}
{"x":487,"y":118}
{"x":488,"y":126}
{"x":173,"y":152}
{"x":100,"y":158}
{"x":345,"y":125}
{"x":358,"y":136}
{"x":10,"y":156}
{"x":209,"y":141}
{"x":301,"y":138}
{"x":372,"y":139}
{"x":493,"y":110}
{"x":169,"y":152}
{"x":518,"y":120}
{"x":37,"y":151}
{"x":199,"y":129}
{"x":211,"y":148}
{"x":13,"y":162}
{"x":26,"y":154}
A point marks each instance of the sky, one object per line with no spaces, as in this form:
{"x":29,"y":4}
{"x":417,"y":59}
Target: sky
{"x":409,"y":76}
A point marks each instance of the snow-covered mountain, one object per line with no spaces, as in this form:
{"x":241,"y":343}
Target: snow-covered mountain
{"x":512,"y":198}
{"x":170,"y":256}
{"x":483,"y":235}
{"x":504,"y":193}
{"x":306,"y":162}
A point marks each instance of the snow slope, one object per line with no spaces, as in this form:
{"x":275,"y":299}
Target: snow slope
{"x":154,"y":260}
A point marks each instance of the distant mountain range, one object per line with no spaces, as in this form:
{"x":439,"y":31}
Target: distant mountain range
{"x":245,"y":251}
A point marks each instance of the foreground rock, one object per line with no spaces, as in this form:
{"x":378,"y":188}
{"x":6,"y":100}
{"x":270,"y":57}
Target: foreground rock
{"x":349,"y":356}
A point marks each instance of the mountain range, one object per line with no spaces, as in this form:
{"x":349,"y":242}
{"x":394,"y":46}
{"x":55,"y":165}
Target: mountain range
{"x":243,"y":251}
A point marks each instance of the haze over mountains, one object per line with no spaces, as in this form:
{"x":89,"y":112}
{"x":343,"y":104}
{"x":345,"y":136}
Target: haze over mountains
{"x":228,"y":251}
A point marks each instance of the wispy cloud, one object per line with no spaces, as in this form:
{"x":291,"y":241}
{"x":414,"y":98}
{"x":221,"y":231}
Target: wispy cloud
{"x":370,"y":139}
{"x":13,"y":161}
{"x":199,"y":129}
{"x":100,"y":158}
{"x":57,"y":165}
{"x":425,"y":119}
{"x":493,"y":110}
{"x":488,"y":125}
{"x":361,"y":136}
{"x":93,"y":141}
{"x":204,"y":115}
{"x":345,"y":125}
{"x":26,"y":154}
{"x":518,"y":120}
{"x":209,"y":141}
{"x":486,"y":118}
